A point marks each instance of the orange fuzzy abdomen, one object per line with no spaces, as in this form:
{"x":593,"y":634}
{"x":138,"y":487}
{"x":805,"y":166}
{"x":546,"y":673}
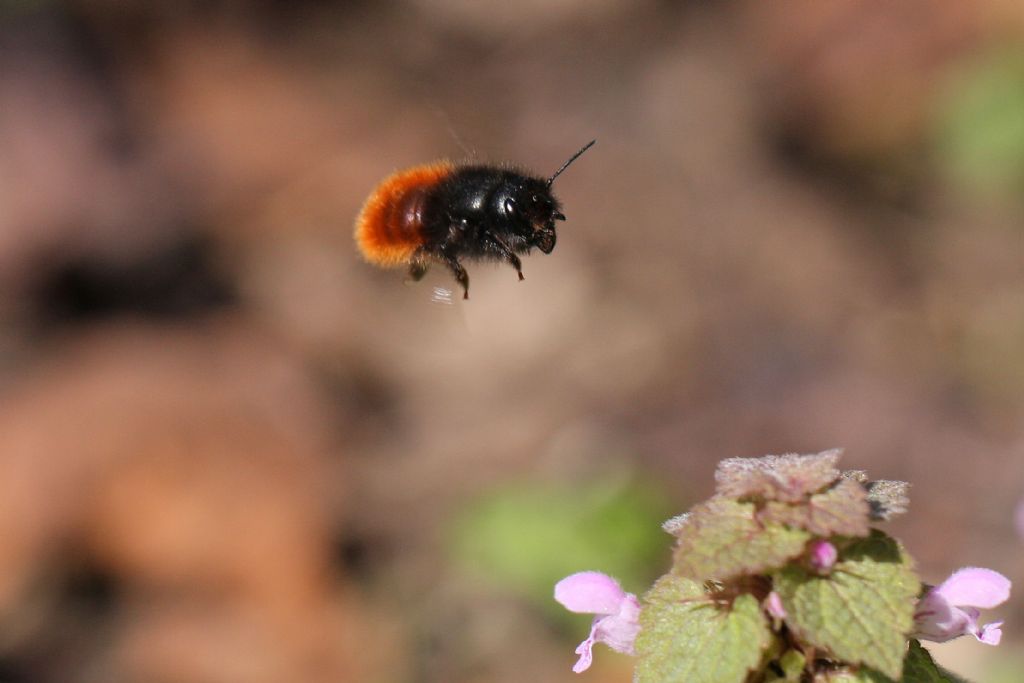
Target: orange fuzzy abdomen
{"x":390,"y":226}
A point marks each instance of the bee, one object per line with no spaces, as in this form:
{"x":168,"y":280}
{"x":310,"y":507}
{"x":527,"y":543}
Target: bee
{"x":445,"y":213}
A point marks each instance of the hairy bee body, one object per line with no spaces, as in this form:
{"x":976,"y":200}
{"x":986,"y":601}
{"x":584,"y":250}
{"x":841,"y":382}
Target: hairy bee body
{"x":444,"y":212}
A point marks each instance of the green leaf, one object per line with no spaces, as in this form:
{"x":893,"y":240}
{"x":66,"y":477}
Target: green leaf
{"x":862,"y":675}
{"x":792,"y":663}
{"x":841,"y":511}
{"x":687,"y":636}
{"x":862,"y":611}
{"x":919,"y":667}
{"x":787,"y":478}
{"x":722,"y":538}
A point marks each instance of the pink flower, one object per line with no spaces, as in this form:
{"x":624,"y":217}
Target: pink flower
{"x":951,"y":609}
{"x":773,"y":605}
{"x":822,"y":556}
{"x":618,"y":612}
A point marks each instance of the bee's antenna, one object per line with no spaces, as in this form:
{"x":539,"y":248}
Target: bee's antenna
{"x":573,"y":158}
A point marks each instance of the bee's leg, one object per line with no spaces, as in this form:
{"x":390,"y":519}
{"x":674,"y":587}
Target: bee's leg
{"x":461,"y":276}
{"x":418,"y":265}
{"x":502,"y":250}
{"x":545,"y":240}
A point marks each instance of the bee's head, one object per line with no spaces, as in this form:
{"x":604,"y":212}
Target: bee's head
{"x":530,"y":210}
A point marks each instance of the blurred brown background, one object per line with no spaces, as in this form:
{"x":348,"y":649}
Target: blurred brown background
{"x":231,"y":451}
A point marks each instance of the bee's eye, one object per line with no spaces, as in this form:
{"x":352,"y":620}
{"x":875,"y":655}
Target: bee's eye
{"x":510,"y":205}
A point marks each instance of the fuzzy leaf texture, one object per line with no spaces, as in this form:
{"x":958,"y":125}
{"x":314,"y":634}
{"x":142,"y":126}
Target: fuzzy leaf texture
{"x":919,"y":667}
{"x":862,"y":611}
{"x":841,"y":510}
{"x":786,"y":478}
{"x":722,"y":538}
{"x":686,"y":636}
{"x":887,"y":498}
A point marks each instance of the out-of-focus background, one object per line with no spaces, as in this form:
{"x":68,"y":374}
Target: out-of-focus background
{"x":231,"y":451}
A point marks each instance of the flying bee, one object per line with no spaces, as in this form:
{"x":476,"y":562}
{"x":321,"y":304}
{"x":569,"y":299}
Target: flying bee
{"x":446,"y":213}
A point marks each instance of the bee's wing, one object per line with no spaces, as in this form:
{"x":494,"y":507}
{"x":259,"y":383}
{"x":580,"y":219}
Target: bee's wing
{"x":436,"y":290}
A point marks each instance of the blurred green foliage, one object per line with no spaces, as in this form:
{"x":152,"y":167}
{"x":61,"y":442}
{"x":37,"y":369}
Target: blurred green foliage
{"x":525,"y":537}
{"x":981,"y":123}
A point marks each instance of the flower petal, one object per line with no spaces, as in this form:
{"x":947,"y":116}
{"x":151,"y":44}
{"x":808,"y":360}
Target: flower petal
{"x":990,"y":634}
{"x":773,"y":605}
{"x":586,"y":652}
{"x":975,"y":587}
{"x":590,"y":592}
{"x":619,"y":631}
{"x":938,"y":621}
